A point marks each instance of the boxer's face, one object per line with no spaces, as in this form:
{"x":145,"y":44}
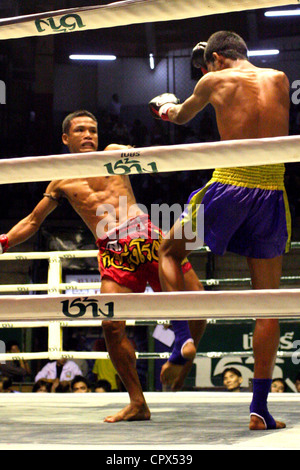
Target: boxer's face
{"x":82,"y":135}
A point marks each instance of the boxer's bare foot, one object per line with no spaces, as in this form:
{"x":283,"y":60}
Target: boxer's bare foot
{"x":169,"y":374}
{"x":131,"y":412}
{"x":257,"y":424}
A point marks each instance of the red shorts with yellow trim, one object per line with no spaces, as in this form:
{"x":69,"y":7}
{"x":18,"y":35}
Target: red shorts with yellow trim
{"x":128,"y":255}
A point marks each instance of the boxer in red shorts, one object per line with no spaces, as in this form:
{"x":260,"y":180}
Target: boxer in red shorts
{"x":86,"y":196}
{"x":132,"y":259}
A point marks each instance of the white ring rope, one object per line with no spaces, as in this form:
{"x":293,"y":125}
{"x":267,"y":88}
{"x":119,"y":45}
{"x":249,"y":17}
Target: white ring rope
{"x":169,"y":158}
{"x":182,"y":305}
{"x":54,"y":355}
{"x":59,"y":256}
{"x":244,"y":304}
{"x":284,"y":306}
{"x":123,"y":13}
{"x":75,"y":286}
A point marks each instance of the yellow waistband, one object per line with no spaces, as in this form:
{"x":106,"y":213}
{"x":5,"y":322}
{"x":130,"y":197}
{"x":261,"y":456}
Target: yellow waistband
{"x":269,"y":177}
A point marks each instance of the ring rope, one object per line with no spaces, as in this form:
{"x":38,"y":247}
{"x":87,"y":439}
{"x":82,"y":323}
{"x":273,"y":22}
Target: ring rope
{"x":184,"y":305}
{"x":55,"y":327}
{"x":57,"y":256}
{"x":122,"y":13}
{"x":65,"y":255}
{"x":54,"y":355}
{"x":74,"y":324}
{"x":240,"y":304}
{"x":54,"y":255}
{"x":170,"y":158}
{"x":74,"y":286}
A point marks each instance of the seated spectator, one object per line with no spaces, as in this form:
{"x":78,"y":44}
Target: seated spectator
{"x":232,"y":379}
{"x":41,"y":386}
{"x":278,"y":386}
{"x":114,"y":107}
{"x":5,"y":385}
{"x":80,"y":385}
{"x":61,"y":387}
{"x":18,"y":369}
{"x":77,"y":344}
{"x":103,"y":368}
{"x":59,"y":373}
{"x":138,"y":133}
{"x":102,"y":386}
{"x":120,"y":133}
{"x":297,"y":382}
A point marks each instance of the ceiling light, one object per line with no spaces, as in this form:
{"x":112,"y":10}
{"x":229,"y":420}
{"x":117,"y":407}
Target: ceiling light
{"x":263,"y":52}
{"x":92,"y":57}
{"x":151,"y":61}
{"x":282,"y":13}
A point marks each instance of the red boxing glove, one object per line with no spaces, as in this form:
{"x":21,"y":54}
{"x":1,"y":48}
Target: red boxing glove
{"x":3,"y":244}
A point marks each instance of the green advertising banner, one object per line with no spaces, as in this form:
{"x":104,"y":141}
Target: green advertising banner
{"x":238,"y":337}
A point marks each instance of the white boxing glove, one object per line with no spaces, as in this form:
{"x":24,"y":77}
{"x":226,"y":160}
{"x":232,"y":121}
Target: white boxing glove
{"x":160,"y":105}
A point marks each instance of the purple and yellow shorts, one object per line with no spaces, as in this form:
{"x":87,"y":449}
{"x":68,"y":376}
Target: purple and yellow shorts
{"x":246,"y":211}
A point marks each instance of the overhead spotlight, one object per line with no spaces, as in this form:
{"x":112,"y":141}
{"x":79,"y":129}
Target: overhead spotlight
{"x":92,"y":57}
{"x":151,"y":61}
{"x":263,"y":52}
{"x":280,"y":13}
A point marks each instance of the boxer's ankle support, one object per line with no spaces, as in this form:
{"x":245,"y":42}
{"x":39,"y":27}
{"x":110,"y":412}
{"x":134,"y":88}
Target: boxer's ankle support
{"x":182,"y":337}
{"x":258,"y":407}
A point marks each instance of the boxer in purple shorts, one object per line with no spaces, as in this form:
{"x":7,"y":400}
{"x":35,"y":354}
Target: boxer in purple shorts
{"x":249,"y":221}
{"x":245,"y":209}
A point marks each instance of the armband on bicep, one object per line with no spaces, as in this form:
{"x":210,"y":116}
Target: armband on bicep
{"x":55,"y":199}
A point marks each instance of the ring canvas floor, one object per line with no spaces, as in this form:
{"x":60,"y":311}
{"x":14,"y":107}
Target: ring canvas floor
{"x":180,"y":420}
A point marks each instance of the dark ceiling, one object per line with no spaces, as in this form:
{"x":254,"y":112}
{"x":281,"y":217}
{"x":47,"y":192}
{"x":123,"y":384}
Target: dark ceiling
{"x":139,"y":40}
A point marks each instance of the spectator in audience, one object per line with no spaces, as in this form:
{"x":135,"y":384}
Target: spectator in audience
{"x":80,"y":385}
{"x":297,"y":382}
{"x":102,"y":386}
{"x":138,"y":133}
{"x":232,"y":379}
{"x":61,"y":387}
{"x":158,"y":135}
{"x":120,"y":133}
{"x":18,"y":369}
{"x":278,"y":386}
{"x":103,"y":368}
{"x":59,"y":373}
{"x":5,"y":385}
{"x":41,"y":386}
{"x":115,"y":107}
{"x":78,"y":344}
